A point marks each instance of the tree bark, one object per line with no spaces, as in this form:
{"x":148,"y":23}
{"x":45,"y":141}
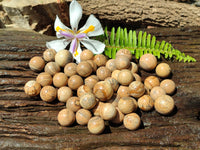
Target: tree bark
{"x":137,"y":13}
{"x":131,"y":14}
{"x":29,"y":123}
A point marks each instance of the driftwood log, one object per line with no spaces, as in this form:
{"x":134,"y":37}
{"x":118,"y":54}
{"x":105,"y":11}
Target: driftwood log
{"x":29,"y":123}
{"x":40,"y":15}
{"x":143,"y":13}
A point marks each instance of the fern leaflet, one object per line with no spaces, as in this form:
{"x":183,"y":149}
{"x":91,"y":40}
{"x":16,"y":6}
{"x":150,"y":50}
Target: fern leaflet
{"x":140,"y":44}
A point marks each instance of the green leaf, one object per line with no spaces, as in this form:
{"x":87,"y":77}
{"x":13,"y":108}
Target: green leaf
{"x":106,"y":40}
{"x":130,"y":38}
{"x":137,"y":54}
{"x":134,"y":39}
{"x":157,"y":53}
{"x":117,"y":37}
{"x":125,"y":38}
{"x":144,"y":38}
{"x":162,"y":45}
{"x":139,"y":39}
{"x":153,"y":41}
{"x":140,"y":44}
{"x":121,"y":40}
{"x":112,"y":37}
{"x":148,"y":40}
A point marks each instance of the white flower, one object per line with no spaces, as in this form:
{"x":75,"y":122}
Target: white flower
{"x":91,"y":28}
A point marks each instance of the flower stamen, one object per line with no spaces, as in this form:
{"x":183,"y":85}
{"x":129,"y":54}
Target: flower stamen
{"x":90,"y":29}
{"x":59,"y":29}
{"x":81,"y":35}
{"x":76,"y":53}
{"x":67,"y":35}
{"x":74,"y":45}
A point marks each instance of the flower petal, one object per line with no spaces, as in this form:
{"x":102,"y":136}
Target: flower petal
{"x":95,"y":46}
{"x":58,"y":23}
{"x":58,"y":35}
{"x":92,"y":20}
{"x":57,"y":44}
{"x":75,"y":14}
{"x":77,"y":54}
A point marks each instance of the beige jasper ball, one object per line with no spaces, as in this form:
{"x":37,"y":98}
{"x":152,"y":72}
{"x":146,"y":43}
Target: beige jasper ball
{"x":124,"y":52}
{"x":93,"y":65}
{"x":108,"y":111}
{"x":133,"y":67}
{"x":97,"y":108}
{"x":123,"y":91}
{"x":96,"y":125}
{"x":127,"y":105}
{"x":64,"y":93}
{"x":88,"y":101}
{"x":145,"y":103}
{"x":48,"y":93}
{"x":132,"y":121}
{"x":110,"y":64}
{"x":103,"y":72}
{"x":156,"y":92}
{"x":75,"y":81}
{"x":122,"y":62}
{"x":125,"y":77}
{"x":100,"y":60}
{"x":91,"y":81}
{"x":136,"y":89}
{"x":83,"y":116}
{"x":114,"y":100}
{"x":32,"y":88}
{"x":103,"y":90}
{"x":84,"y":69}
{"x":151,"y":81}
{"x":66,"y":117}
{"x":148,"y":62}
{"x":137,"y":77}
{"x":70,"y":69}
{"x":73,"y":103}
{"x":168,"y":85}
{"x":115,"y":74}
{"x":83,"y":89}
{"x":60,"y":79}
{"x":37,"y":63}
{"x":118,"y":118}
{"x":114,"y":83}
{"x":164,"y":104}
{"x":44,"y":79}
{"x":52,"y":68}
{"x":63,"y":57}
{"x":49,"y":55}
{"x":86,"y":55}
{"x":163,"y":70}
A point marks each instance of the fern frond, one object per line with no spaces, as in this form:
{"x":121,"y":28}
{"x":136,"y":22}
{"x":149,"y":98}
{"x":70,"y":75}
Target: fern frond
{"x":140,"y":44}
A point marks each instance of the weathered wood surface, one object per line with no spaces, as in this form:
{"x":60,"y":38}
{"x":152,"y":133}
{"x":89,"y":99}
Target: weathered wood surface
{"x":143,"y":13}
{"x":29,"y":123}
{"x":39,"y":15}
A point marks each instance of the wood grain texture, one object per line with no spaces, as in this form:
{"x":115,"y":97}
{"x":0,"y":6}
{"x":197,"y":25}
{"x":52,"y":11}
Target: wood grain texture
{"x":39,"y":15}
{"x":29,"y":123}
{"x":143,"y":13}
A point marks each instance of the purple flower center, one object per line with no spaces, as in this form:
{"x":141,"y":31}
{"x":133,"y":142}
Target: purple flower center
{"x":74,"y":39}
